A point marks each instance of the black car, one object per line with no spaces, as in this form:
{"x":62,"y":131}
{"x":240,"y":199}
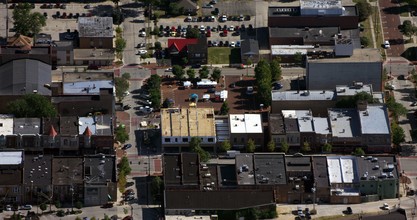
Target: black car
{"x":211,"y":90}
{"x":242,"y":27}
{"x":126,"y":146}
{"x":126,"y":107}
{"x":141,"y":45}
{"x":349,"y":210}
{"x":129,"y":198}
{"x":401,"y":77}
{"x":209,"y":43}
{"x":226,"y":43}
{"x":236,"y":33}
{"x":129,"y":184}
{"x":220,"y":43}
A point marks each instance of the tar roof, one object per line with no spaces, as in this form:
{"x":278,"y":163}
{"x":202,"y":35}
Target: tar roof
{"x":297,"y":163}
{"x":342,"y":169}
{"x":68,"y":125}
{"x":377,"y":167}
{"x":69,"y":77}
{"x":244,"y":166}
{"x":67,"y":170}
{"x":303,"y":95}
{"x":245,"y":123}
{"x":48,"y":122}
{"x":374,"y":120}
{"x":249,"y":47}
{"x":95,"y":27}
{"x":344,"y":122}
{"x":276,"y":124}
{"x":309,"y":36}
{"x":38,"y":170}
{"x":99,"y":169}
{"x":359,"y":56}
{"x":190,"y":168}
{"x":321,"y":4}
{"x":270,"y":168}
{"x":6,"y":124}
{"x":27,"y":126}
{"x":291,"y":125}
{"x":172,"y":169}
{"x":321,"y":176}
{"x":304,"y":118}
{"x":321,"y":126}
{"x":191,"y":122}
{"x":353,"y":90}
{"x":227,"y":175}
{"x":11,"y":157}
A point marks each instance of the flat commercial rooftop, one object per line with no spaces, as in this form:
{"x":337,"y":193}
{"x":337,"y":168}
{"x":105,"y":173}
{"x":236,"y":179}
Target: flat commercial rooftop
{"x":344,"y":122}
{"x":270,"y":168}
{"x":87,"y":87}
{"x":359,"y":56}
{"x":11,"y":157}
{"x":244,"y":167}
{"x":316,"y":35}
{"x":342,"y":169}
{"x":321,"y":126}
{"x":303,"y":95}
{"x":353,"y":90}
{"x":304,"y":118}
{"x":245,"y":123}
{"x":6,"y":124}
{"x":374,"y":120}
{"x":188,"y":122}
{"x":95,"y":26}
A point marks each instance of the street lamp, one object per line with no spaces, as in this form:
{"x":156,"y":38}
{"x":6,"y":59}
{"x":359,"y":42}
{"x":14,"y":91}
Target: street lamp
{"x":314,"y":195}
{"x":72,"y":198}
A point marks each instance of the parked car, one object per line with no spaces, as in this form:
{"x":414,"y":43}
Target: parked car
{"x":413,"y":104}
{"x":141,"y":45}
{"x":107,"y":205}
{"x":349,"y":210}
{"x":168,"y":69}
{"x":126,"y":146}
{"x":129,"y":184}
{"x":300,"y":212}
{"x":215,"y":44}
{"x":26,"y":207}
{"x":207,"y":6}
{"x":129,"y":192}
{"x":142,"y":52}
{"x":129,"y":198}
{"x":232,"y":44}
{"x":249,"y":90}
{"x":8,"y":208}
{"x":385,"y":206}
{"x":126,"y":107}
{"x":87,"y":6}
{"x":142,"y":34}
{"x":386,"y":44}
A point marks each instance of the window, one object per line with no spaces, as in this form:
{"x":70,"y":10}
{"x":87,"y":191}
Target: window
{"x":176,"y":140}
{"x":16,"y":189}
{"x":210,"y":139}
{"x":234,"y":140}
{"x":184,"y":139}
{"x":167,"y":140}
{"x":1,"y":124}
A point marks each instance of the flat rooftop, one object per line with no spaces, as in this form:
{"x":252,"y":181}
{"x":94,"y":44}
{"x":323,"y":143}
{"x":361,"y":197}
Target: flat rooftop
{"x":352,"y":90}
{"x":86,"y":87}
{"x":172,"y":169}
{"x":190,"y":168}
{"x":11,"y":157}
{"x":245,"y":123}
{"x":27,"y":126}
{"x":304,"y":118}
{"x":95,"y":26}
{"x":321,"y":126}
{"x":245,"y":170}
{"x":93,"y":54}
{"x":321,"y":176}
{"x":276,"y":124}
{"x":6,"y":124}
{"x":270,"y":168}
{"x":295,"y":163}
{"x":344,"y":122}
{"x":303,"y":95}
{"x":321,"y":4}
{"x":38,"y":169}
{"x":367,"y":55}
{"x":309,"y":36}
{"x":342,"y":169}
{"x":374,"y":120}
{"x":188,"y":122}
{"x":378,"y":167}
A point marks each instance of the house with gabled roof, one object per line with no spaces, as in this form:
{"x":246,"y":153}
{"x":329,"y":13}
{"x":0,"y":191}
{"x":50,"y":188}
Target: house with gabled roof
{"x":194,"y":49}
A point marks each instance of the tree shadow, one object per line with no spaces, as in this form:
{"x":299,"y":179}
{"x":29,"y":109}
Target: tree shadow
{"x":397,"y":9}
{"x":410,"y":54}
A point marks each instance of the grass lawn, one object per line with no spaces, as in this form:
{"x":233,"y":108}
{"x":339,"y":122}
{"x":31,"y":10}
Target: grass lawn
{"x":223,"y":55}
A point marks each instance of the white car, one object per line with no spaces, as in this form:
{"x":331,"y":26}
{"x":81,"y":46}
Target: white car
{"x":142,"y":34}
{"x":231,"y":28}
{"x":249,"y":90}
{"x":142,"y":52}
{"x":385,"y":206}
{"x":232,"y":44}
{"x":202,"y":28}
{"x":146,"y":109}
{"x":207,"y":6}
{"x":214,"y":44}
{"x":386,"y":44}
{"x":223,"y":18}
{"x":168,"y":69}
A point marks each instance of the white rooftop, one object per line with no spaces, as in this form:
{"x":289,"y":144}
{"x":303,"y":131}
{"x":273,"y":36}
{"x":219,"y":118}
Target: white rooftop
{"x":87,"y":87}
{"x":342,"y":169}
{"x":353,"y":90}
{"x":321,"y":126}
{"x":6,"y":124}
{"x":374,"y":120}
{"x":320,"y":4}
{"x":304,"y":118}
{"x":344,"y":122}
{"x":245,"y":123}
{"x":11,"y":157}
{"x":302,"y":95}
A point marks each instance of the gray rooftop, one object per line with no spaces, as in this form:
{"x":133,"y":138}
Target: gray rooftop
{"x":38,"y":170}
{"x":353,"y":90}
{"x":244,"y":167}
{"x":27,"y":126}
{"x":303,"y":95}
{"x":94,"y":54}
{"x":95,"y":26}
{"x":374,"y":120}
{"x":378,"y":167}
{"x":270,"y":168}
{"x":321,"y":4}
{"x":276,"y":124}
{"x":67,"y":170}
{"x":68,"y":125}
{"x":344,"y":122}
{"x":99,"y":169}
{"x":249,"y":47}
{"x":321,"y":176}
{"x":312,"y":35}
{"x":296,"y":163}
{"x":291,"y":125}
{"x":304,"y":118}
{"x":98,"y":124}
{"x":321,"y":126}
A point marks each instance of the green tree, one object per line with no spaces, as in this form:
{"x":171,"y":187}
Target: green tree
{"x":58,"y":204}
{"x":43,"y":207}
{"x":116,"y":2}
{"x":26,"y":22}
{"x":225,"y":146}
{"x":195,"y":147}
{"x":78,"y":218}
{"x":298,"y":59}
{"x":263,"y":80}
{"x":118,"y":31}
{"x":216,"y":74}
{"x":192,"y":33}
{"x":306,"y":147}
{"x":396,"y":108}
{"x":365,"y":41}
{"x":191,"y":74}
{"x":32,"y":106}
{"x":327,"y":148}
{"x":364,"y":9}
{"x":276,"y":71}
{"x":106,"y":217}
{"x":351,"y":102}
{"x":158,"y":45}
{"x":271,"y":146}
{"x":156,"y":187}
{"x":167,"y":103}
{"x":178,"y":72}
{"x":124,"y":166}
{"x":174,"y":9}
{"x":78,"y":205}
{"x":408,"y":29}
{"x":121,"y":183}
{"x":204,"y":72}
{"x":122,"y":85}
{"x":224,"y":110}
{"x":359,"y":152}
{"x":397,"y":133}
{"x":120,"y":46}
{"x":250,"y":146}
{"x":284,"y":147}
{"x":153,"y":86}
{"x":121,"y":134}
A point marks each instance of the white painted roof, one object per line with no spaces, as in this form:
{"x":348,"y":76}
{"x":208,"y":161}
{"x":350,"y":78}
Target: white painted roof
{"x":304,"y":118}
{"x":11,"y":157}
{"x":87,"y":87}
{"x":321,"y":126}
{"x":245,"y":123}
{"x":344,"y":122}
{"x":374,"y":120}
{"x":341,"y":169}
{"x":302,"y":95}
{"x":6,"y":124}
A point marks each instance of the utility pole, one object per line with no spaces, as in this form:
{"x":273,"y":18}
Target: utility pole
{"x":7,"y":19}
